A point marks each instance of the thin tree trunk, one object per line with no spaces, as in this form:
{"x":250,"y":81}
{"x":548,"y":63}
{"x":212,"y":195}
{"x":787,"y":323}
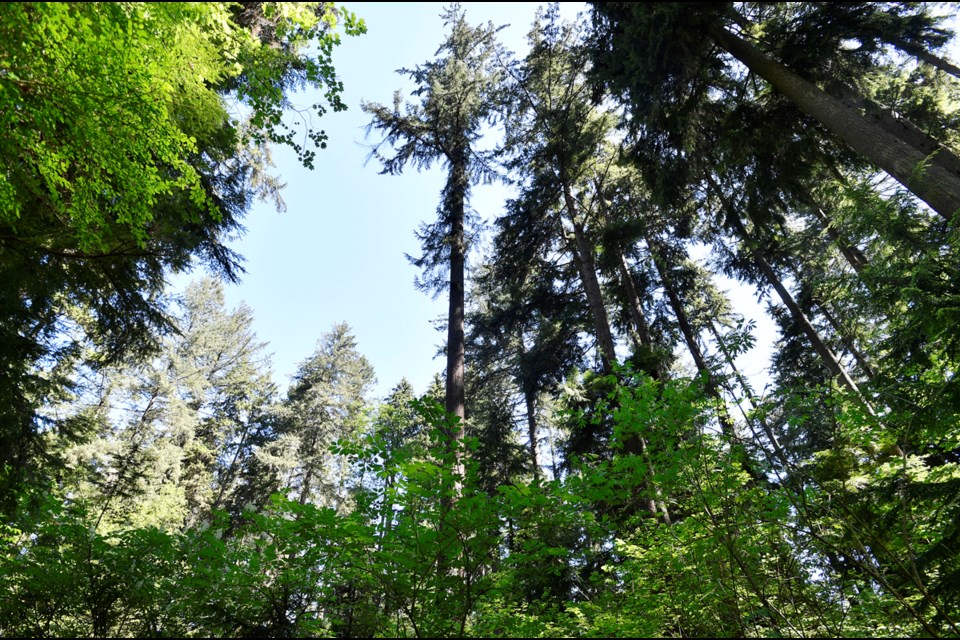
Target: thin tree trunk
{"x":305,"y":487}
{"x":830,"y":360}
{"x":530,"y":402}
{"x":128,"y":459}
{"x":930,"y":182}
{"x":456,"y":337}
{"x":583,"y":254}
{"x":854,"y":256}
{"x":689,"y":335}
{"x":641,"y":333}
{"x":727,"y":425}
{"x":846,"y":341}
{"x":386,"y":511}
{"x":745,"y":386}
{"x":227,"y":480}
{"x":656,"y":506}
{"x":554,"y":467}
{"x":841,"y":334}
{"x":925,"y":56}
{"x":857,"y":261}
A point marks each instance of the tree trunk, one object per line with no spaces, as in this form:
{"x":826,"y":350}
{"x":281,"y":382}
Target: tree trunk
{"x":456,"y":337}
{"x":641,"y":332}
{"x":656,"y":506}
{"x":634,"y":445}
{"x":689,"y":335}
{"x":305,"y":486}
{"x":727,"y":425}
{"x":831,"y":361}
{"x":899,"y":127}
{"x":530,"y":401}
{"x":854,"y":256}
{"x":930,"y":182}
{"x":857,"y":260}
{"x":846,"y":341}
{"x":583,"y":254}
{"x":925,"y":56}
{"x":226,"y":479}
{"x":745,"y":386}
{"x":642,"y":340}
{"x":454,"y":202}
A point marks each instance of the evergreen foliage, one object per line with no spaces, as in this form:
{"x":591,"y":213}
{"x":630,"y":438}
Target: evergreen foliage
{"x":457,"y":95}
{"x":120,"y":160}
{"x":615,"y":472}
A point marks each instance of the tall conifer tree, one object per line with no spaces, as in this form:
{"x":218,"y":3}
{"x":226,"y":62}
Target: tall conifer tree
{"x":456,"y":96}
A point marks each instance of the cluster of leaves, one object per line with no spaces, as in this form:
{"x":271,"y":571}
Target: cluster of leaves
{"x":134,"y":141}
{"x":827,"y":508}
{"x":429,"y":553}
{"x":79,"y":79}
{"x":755,"y":134}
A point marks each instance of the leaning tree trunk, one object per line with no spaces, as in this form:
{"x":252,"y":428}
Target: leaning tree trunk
{"x":826,"y":354}
{"x":829,"y":359}
{"x":583,"y":254}
{"x":853,"y":255}
{"x":898,"y":126}
{"x":855,"y":258}
{"x":846,"y":340}
{"x":745,"y":386}
{"x":727,"y":425}
{"x":923,"y":55}
{"x":930,"y":182}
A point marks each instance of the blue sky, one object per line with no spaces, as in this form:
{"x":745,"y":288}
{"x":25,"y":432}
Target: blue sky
{"x":338,"y":252}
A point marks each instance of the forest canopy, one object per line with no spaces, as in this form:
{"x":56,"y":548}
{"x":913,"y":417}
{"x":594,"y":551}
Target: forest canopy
{"x":135,"y":139}
{"x":595,"y":460}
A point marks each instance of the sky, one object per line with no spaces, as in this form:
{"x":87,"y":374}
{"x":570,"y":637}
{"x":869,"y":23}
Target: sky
{"x":337,"y":254}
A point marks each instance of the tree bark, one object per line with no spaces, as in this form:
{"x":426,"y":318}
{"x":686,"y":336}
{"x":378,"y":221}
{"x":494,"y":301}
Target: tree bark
{"x":635,"y":307}
{"x":583,"y":253}
{"x":830,"y":360}
{"x":727,"y":425}
{"x":930,"y":182}
{"x":900,"y":127}
{"x":854,"y":256}
{"x":456,"y":336}
{"x":530,"y":402}
{"x":925,"y":56}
